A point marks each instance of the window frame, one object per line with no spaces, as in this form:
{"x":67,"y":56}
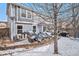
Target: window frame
{"x":19,"y":29}
{"x":44,"y":28}
{"x":34,"y":28}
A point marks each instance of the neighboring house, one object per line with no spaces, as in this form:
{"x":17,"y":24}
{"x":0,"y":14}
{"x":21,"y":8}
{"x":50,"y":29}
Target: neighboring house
{"x":67,"y":26}
{"x":22,"y":19}
{"x":3,"y":24}
{"x":4,"y":29}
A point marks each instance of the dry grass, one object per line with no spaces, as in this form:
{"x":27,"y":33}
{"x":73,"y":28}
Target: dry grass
{"x":6,"y":41}
{"x":27,"y":46}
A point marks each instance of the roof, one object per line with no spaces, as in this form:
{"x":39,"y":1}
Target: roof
{"x":42,"y":23}
{"x":21,"y":5}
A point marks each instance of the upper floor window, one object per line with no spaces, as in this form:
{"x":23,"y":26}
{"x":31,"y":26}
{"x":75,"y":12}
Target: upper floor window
{"x":23,"y":13}
{"x":29,"y":14}
{"x":19,"y":11}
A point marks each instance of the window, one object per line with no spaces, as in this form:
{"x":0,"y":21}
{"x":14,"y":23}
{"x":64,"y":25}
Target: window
{"x":28,"y":14}
{"x":18,"y":11}
{"x":19,"y":29}
{"x":23,"y":12}
{"x":44,"y":29}
{"x":34,"y":28}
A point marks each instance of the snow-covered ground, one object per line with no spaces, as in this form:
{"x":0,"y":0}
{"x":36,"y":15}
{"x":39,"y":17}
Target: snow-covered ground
{"x":25,"y":41}
{"x":66,"y":47}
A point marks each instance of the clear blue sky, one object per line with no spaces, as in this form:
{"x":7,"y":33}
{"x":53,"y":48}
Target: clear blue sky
{"x":3,"y":16}
{"x":2,"y":11}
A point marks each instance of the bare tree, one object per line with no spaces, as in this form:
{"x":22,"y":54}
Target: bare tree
{"x":52,"y":11}
{"x":74,"y":19}
{"x":55,"y":28}
{"x":56,"y":9}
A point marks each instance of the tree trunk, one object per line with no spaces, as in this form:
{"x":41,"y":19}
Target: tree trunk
{"x":55,"y":30}
{"x":55,"y":39}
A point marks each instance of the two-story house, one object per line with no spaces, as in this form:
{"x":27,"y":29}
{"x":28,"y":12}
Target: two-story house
{"x":22,"y":19}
